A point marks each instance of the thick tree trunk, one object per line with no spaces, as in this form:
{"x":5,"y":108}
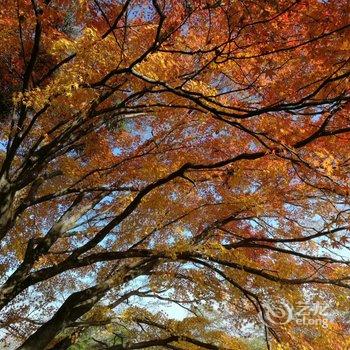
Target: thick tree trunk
{"x":74,"y":307}
{"x":19,"y":280}
{"x":6,"y":206}
{"x":77,"y":304}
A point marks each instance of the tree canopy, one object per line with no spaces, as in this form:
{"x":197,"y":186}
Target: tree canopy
{"x":173,"y":153}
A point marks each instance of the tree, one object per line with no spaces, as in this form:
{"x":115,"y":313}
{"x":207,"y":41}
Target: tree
{"x":186,"y":152}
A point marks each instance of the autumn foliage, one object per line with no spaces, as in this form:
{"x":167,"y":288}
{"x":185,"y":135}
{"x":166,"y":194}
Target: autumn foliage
{"x":166,"y":155}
